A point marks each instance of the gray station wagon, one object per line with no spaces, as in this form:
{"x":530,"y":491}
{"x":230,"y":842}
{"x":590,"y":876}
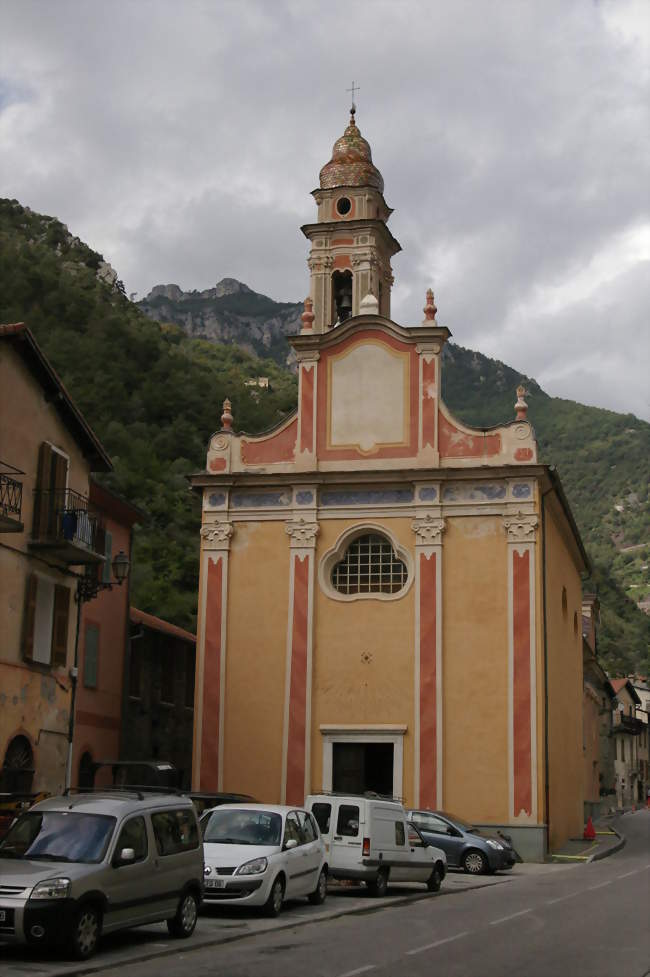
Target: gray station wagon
{"x":77,"y":866}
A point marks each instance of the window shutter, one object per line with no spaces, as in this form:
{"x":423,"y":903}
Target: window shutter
{"x":59,"y":472}
{"x":41,"y":499}
{"x":60,"y":625}
{"x":30,"y":617}
{"x":108,"y":553}
{"x":91,"y":656}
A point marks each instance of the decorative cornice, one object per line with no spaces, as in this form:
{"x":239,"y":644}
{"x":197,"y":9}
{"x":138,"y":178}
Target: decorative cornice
{"x":428,"y":530}
{"x":216,"y":535}
{"x":303,"y":534}
{"x":521,"y":528}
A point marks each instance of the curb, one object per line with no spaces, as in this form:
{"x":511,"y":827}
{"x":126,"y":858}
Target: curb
{"x":599,"y":855}
{"x":374,"y":907}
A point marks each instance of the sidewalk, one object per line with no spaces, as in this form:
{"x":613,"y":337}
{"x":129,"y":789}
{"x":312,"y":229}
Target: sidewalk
{"x":608,"y":840}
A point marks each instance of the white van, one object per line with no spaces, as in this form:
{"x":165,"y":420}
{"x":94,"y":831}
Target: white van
{"x":369,"y":839}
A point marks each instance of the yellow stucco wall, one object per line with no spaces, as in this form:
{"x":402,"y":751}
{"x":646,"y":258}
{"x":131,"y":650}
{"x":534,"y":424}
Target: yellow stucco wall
{"x":258,"y":602}
{"x":475,"y":668}
{"x":564,"y":666}
{"x":34,"y":699}
{"x":349,"y":689}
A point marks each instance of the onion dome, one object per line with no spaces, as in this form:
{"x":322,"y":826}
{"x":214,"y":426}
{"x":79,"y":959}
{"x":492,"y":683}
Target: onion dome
{"x":351,"y":163}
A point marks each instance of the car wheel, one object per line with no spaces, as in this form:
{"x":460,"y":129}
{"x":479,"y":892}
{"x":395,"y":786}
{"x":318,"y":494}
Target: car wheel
{"x":273,"y":904}
{"x":182,"y":925}
{"x":318,"y":896}
{"x":379,"y":887}
{"x":475,"y":862}
{"x":435,"y":880}
{"x":86,"y":928}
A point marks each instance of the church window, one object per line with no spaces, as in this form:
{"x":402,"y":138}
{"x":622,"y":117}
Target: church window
{"x":370,"y":565}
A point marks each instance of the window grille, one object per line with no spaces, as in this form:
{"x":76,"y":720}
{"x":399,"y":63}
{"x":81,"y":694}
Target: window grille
{"x":370,"y":566}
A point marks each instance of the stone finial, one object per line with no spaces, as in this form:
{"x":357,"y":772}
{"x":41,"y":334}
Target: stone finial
{"x":369,"y":305}
{"x":521,"y":407}
{"x":308,"y":315}
{"x":226,"y":417}
{"x":430,"y":308}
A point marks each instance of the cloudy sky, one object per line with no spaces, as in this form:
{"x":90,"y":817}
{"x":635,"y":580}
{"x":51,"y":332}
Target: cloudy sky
{"x":182,"y":141}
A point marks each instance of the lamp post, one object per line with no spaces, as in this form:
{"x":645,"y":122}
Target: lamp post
{"x":88,"y":587}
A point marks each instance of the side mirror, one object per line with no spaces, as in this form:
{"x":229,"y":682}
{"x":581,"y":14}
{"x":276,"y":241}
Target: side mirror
{"x":126,"y":856}
{"x":290,"y":844}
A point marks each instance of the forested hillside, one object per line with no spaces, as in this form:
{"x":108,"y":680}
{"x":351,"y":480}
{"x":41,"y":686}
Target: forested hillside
{"x":153,"y":394}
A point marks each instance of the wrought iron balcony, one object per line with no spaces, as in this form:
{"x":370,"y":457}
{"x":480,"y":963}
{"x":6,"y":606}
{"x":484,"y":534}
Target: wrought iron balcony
{"x":68,"y":527}
{"x":11,"y":499}
{"x":628,"y":724}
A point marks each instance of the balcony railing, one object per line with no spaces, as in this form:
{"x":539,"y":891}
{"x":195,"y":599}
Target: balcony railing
{"x":11,"y":499}
{"x":68,"y":526}
{"x":629,"y":724}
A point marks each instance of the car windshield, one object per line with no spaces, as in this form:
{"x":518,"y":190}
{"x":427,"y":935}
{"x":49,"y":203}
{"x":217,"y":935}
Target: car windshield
{"x":463,"y":825}
{"x":58,"y":836}
{"x":228,"y":827}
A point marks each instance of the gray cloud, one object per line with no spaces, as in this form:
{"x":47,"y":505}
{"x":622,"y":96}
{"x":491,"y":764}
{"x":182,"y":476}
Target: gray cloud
{"x":182,"y":141}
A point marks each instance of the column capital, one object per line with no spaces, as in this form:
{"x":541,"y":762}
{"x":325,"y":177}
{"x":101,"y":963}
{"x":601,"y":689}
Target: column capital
{"x":216,"y":535}
{"x":428,"y":530}
{"x":521,"y":527}
{"x":303,"y":534}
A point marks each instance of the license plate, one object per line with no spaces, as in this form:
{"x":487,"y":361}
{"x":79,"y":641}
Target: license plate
{"x":215,"y":883}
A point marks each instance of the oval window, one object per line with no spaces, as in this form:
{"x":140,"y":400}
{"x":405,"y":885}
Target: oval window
{"x":343,"y":206}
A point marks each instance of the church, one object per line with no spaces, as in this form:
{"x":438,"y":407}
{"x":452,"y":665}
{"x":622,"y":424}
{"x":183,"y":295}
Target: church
{"x":389,"y":600}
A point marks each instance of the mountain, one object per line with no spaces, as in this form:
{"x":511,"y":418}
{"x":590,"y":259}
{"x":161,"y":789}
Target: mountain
{"x":230,"y":312}
{"x":153,"y":394}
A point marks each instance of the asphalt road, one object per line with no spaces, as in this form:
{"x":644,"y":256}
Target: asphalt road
{"x":586,"y":921}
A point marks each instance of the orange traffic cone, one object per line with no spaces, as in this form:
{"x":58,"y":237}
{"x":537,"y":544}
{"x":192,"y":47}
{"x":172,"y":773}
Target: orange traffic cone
{"x":589,"y":834}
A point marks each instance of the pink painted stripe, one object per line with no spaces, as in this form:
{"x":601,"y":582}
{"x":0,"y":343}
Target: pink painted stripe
{"x":298,"y":684}
{"x":428,"y":403}
{"x":428,"y":740}
{"x":307,"y":410}
{"x":521,"y":683}
{"x":209,"y":772}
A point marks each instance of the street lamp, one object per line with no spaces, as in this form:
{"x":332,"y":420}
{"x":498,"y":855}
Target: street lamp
{"x":88,"y":587}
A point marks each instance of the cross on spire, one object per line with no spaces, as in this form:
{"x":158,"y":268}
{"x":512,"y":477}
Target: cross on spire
{"x":355,"y":88}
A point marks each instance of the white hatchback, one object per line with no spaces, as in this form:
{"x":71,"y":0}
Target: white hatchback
{"x":261,"y":855}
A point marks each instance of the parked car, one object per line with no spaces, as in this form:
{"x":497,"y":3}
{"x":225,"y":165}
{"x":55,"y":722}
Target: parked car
{"x":261,"y":855}
{"x":368,"y":840}
{"x":204,"y":801}
{"x":466,"y":847}
{"x":77,"y":866}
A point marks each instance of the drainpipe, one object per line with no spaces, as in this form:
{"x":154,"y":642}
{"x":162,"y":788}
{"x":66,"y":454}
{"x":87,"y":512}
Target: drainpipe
{"x":547,"y":792}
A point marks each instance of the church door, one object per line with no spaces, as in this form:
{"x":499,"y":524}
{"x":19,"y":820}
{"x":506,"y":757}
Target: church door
{"x":360,"y":767}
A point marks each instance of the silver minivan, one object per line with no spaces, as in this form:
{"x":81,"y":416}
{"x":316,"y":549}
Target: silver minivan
{"x":77,"y":866}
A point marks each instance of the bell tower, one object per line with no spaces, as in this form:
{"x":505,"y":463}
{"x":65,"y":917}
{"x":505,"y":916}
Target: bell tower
{"x":351,"y":245}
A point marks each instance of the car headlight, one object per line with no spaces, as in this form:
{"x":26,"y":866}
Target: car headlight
{"x":51,"y":889}
{"x":494,"y":844}
{"x":207,"y":870}
{"x":255,"y":867}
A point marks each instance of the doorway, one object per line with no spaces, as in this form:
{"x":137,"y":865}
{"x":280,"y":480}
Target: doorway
{"x":361,"y":767}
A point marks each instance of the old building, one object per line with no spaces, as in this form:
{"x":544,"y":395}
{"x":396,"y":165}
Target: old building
{"x":643,"y":715}
{"x":389,"y":599}
{"x":598,"y":744}
{"x":103,"y":643}
{"x":626,"y":730}
{"x":50,"y":533}
{"x":158,"y":713}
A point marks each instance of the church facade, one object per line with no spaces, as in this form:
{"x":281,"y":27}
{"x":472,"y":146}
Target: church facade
{"x":389,"y":600}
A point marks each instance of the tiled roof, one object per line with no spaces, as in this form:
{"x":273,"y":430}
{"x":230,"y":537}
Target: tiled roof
{"x":157,"y":624}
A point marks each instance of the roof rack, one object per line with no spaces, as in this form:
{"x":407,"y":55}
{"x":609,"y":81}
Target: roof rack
{"x":139,"y":791}
{"x":369,"y":795}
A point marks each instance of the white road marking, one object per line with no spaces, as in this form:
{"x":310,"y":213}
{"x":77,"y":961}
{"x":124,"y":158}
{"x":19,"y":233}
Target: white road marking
{"x":571,"y":895}
{"x":601,"y":885}
{"x":627,"y":874}
{"x":430,"y":946}
{"x":504,"y":919}
{"x":359,"y":970}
